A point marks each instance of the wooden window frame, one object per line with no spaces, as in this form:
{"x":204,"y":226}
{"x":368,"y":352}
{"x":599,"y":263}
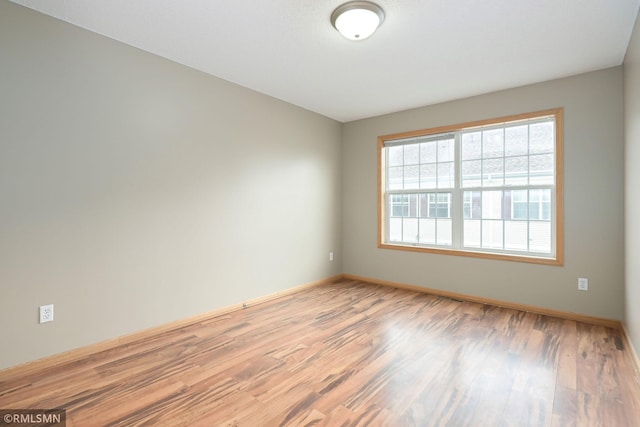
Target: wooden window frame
{"x":557,"y":260}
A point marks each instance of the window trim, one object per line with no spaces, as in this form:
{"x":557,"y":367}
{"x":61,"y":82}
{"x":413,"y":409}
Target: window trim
{"x":558,"y":114}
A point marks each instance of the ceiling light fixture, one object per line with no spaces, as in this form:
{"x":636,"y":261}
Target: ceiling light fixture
{"x":357,"y":20}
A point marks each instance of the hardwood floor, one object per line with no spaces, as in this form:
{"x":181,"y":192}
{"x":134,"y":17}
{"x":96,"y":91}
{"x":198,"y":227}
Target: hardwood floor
{"x":350,"y":354}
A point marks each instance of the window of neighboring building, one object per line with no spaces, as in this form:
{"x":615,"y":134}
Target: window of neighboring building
{"x":489,"y":189}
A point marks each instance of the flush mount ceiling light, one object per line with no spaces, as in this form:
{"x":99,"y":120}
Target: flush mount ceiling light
{"x":357,"y":20}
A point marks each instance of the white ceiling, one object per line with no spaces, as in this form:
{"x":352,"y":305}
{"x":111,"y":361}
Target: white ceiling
{"x":426,"y":51}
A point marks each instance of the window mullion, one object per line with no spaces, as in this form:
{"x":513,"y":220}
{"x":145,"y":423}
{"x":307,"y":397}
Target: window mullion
{"x":457,"y":213}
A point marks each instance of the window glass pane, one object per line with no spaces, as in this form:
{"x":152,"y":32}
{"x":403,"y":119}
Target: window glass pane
{"x":445,"y":150}
{"x":540,"y":236}
{"x":471,"y":173}
{"x":541,"y":138}
{"x":534,"y":195}
{"x":541,"y":169}
{"x":394,"y":155}
{"x":410,"y":230}
{"x":492,"y":143}
{"x":411,"y":154}
{"x":506,"y":204}
{"x":398,"y":210}
{"x":411,"y":177}
{"x":492,"y":172}
{"x":428,"y":152}
{"x":446,"y":177}
{"x":472,"y":204}
{"x":518,"y":204}
{"x":423,"y":205}
{"x":443,"y":232}
{"x":444,"y":198}
{"x":394,"y":178}
{"x":534,"y":211}
{"x":516,"y":140}
{"x":433,"y":206}
{"x":413,"y":205}
{"x":516,"y":170}
{"x":476,"y":204}
{"x":399,"y":205}
{"x":492,"y":234}
{"x":395,"y":229}
{"x":428,"y":176}
{"x":472,"y":233}
{"x":515,"y":235}
{"x":545,"y":210}
{"x":471,"y":145}
{"x":492,"y":204}
{"x":427,"y":231}
{"x":439,"y":205}
{"x":466,"y":204}
{"x":540,"y":205}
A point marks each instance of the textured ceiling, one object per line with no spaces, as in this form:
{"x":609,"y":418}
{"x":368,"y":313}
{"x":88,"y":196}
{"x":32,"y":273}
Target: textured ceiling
{"x":426,"y":51}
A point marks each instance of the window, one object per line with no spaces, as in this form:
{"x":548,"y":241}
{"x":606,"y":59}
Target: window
{"x":488,"y":189}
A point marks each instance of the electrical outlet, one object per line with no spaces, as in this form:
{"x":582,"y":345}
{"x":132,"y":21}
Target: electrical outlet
{"x":46,"y":313}
{"x":583,"y":284}
{"x":330,"y":256}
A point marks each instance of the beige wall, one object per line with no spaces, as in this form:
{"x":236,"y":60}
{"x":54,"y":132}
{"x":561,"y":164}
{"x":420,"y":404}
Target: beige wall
{"x":632,"y":184}
{"x":593,"y":201}
{"x":135,"y":191}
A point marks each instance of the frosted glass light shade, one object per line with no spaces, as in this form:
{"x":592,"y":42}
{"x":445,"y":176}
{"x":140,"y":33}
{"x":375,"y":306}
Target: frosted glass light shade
{"x":357,"y":20}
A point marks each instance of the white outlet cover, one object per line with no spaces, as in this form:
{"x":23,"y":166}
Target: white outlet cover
{"x":46,"y":313}
{"x":583,"y":284}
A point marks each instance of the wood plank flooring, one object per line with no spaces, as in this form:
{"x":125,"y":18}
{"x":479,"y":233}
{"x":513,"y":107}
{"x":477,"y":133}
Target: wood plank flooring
{"x":350,"y":354}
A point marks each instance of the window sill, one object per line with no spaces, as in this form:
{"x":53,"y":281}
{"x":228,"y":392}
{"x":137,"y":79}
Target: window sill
{"x":473,"y":254}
